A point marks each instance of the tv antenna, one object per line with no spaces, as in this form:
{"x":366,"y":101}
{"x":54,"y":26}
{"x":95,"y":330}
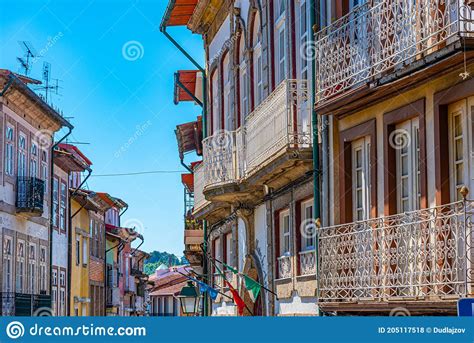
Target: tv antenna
{"x":25,"y":61}
{"x":49,"y":86}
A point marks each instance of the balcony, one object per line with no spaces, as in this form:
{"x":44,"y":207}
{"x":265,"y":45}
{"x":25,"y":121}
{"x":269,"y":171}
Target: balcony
{"x":18,"y":304}
{"x":423,"y":255}
{"x":130,"y":285}
{"x":384,"y":37}
{"x":30,"y":196}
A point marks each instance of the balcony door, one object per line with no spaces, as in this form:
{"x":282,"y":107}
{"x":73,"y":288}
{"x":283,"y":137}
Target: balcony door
{"x":361,"y":179}
{"x":407,"y":146}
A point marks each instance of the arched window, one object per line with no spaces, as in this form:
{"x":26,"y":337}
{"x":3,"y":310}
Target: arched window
{"x":257,"y":60}
{"x":243,"y":82}
{"x":280,"y":41}
{"x":215,"y":103}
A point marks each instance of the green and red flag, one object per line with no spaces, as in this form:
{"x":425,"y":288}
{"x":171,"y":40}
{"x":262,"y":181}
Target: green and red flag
{"x":251,"y":285}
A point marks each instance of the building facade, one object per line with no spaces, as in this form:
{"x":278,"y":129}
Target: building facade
{"x":391,"y":83}
{"x":27,"y":125}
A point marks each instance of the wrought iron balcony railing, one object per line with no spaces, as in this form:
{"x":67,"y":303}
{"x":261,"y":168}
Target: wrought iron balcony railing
{"x":282,"y":121}
{"x":220,"y":158}
{"x":113,"y":296}
{"x":30,"y":195}
{"x":19,"y":304}
{"x":425,"y":253}
{"x":385,"y":35}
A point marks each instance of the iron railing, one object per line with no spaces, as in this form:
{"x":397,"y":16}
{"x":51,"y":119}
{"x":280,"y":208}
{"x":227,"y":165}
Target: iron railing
{"x":381,"y":36}
{"x":410,"y":255}
{"x":282,"y":121}
{"x":30,"y":195}
{"x":19,"y":304}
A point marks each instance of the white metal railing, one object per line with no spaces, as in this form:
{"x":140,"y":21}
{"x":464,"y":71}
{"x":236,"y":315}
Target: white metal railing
{"x":199,"y":199}
{"x":382,"y":35}
{"x":307,"y":262}
{"x":282,"y":120}
{"x":411,"y":255}
{"x":284,"y":267}
{"x":218,"y":281}
{"x":220,"y":152}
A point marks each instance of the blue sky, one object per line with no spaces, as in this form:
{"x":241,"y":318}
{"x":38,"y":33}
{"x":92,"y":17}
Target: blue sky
{"x":122,"y":104}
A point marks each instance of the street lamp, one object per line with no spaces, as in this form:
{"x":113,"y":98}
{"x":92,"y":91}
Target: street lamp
{"x":189,"y":299}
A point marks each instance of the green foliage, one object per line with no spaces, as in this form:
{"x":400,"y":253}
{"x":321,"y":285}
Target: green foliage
{"x":157,"y":258}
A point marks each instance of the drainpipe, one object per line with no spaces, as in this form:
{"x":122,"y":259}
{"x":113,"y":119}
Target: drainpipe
{"x":314,"y":116}
{"x":204,"y":135}
{"x":126,"y":209}
{"x":51,"y":185}
{"x":69,"y":239}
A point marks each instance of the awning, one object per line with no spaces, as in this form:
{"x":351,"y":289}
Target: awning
{"x":189,"y":136}
{"x":178,"y":12}
{"x":192,"y":81}
{"x":68,"y":157}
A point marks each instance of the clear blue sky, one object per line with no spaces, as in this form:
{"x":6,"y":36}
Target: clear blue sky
{"x":114,"y":100}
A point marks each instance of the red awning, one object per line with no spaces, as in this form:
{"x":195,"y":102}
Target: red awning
{"x":192,"y":80}
{"x":178,"y":12}
{"x":189,"y":136}
{"x":188,"y":181}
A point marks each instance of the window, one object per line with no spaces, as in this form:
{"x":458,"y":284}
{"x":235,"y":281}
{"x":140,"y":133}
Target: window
{"x":62,"y":302}
{"x":9,"y":148}
{"x":228,"y":250}
{"x":243,"y":82}
{"x":7,"y":263}
{"x":308,"y":232}
{"x":34,"y":160}
{"x":215,"y":103}
{"x":44,"y":169}
{"x":42,"y":271}
{"x":62,"y":209}
{"x":408,"y":166}
{"x":457,"y":148}
{"x":55,"y":201}
{"x":361,"y":179}
{"x":20,"y":267}
{"x":78,"y":250}
{"x":22,"y":152}
{"x":226,"y":76}
{"x":285,"y":233}
{"x":303,"y":39}
{"x":32,"y":273}
{"x":85,"y":252}
{"x":280,"y":41}
{"x":54,"y":299}
{"x":257,"y":61}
